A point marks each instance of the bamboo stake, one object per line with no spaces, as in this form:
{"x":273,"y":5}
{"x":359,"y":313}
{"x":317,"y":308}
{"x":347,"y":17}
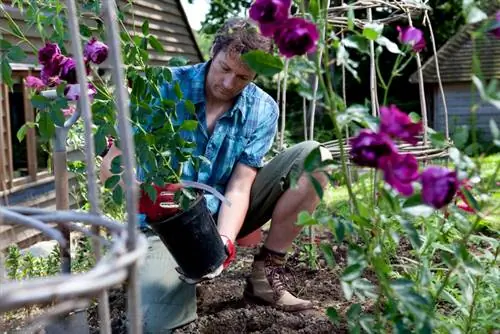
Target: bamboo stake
{"x":423,"y":103}
{"x":438,"y":73}
{"x":84,"y":106}
{"x":283,"y":106}
{"x":131,"y":191}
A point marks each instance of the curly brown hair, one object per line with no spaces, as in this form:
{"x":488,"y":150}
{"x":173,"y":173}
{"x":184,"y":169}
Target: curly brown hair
{"x":240,"y":35}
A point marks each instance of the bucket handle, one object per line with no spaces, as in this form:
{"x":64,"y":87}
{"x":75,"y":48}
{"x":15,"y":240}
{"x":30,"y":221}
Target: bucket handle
{"x":205,"y":187}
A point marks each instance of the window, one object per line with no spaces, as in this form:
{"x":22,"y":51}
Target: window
{"x":26,"y":161}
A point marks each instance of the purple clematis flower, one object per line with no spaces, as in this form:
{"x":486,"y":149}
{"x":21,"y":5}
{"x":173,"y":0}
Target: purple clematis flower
{"x":400,"y":170}
{"x":96,"y":51}
{"x":46,"y":53}
{"x":398,"y":124}
{"x":270,"y":14}
{"x":72,"y":92}
{"x":413,"y":37}
{"x":296,"y":37}
{"x":368,"y":147}
{"x":68,"y":70}
{"x":34,"y":82}
{"x":495,"y":31}
{"x":439,"y":186}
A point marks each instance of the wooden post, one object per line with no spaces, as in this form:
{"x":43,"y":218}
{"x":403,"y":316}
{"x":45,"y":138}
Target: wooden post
{"x":3,"y":169}
{"x":62,"y":192}
{"x":8,"y":143}
{"x":30,"y":134}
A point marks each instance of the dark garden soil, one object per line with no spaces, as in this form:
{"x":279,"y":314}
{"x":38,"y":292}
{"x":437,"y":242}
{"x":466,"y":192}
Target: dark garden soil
{"x":222,"y":309}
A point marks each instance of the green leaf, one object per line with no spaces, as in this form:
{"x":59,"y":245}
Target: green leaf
{"x":317,"y":186}
{"x":263,"y":63}
{"x":412,"y":233}
{"x":189,"y":125}
{"x":388,"y":44}
{"x":116,"y":165}
{"x":177,"y":61}
{"x":4,"y":44}
{"x":21,"y":133}
{"x":118,"y":195}
{"x":470,"y":199}
{"x":57,"y":117}
{"x":190,"y":107}
{"x":333,"y":315}
{"x":7,"y":72}
{"x":438,"y":140}
{"x":494,"y":129}
{"x":373,"y":31}
{"x":415,"y":199}
{"x":46,"y":126}
{"x":329,"y":256}
{"x":145,"y":27}
{"x":305,"y":219}
{"x":177,"y":90}
{"x":153,"y":41}
{"x":474,"y":15}
{"x":313,"y":160}
{"x":112,"y":181}
{"x":40,"y":102}
{"x":357,"y":42}
{"x":16,"y":54}
{"x":352,"y":272}
{"x":150,"y":190}
{"x":460,"y":136}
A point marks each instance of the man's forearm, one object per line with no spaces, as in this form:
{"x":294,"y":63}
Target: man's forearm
{"x":231,"y":218}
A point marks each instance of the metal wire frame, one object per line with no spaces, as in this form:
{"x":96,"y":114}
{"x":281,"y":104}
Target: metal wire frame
{"x":126,"y":246}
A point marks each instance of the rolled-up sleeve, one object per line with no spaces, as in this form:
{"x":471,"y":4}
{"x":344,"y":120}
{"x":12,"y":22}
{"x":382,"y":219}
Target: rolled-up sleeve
{"x":261,"y":140}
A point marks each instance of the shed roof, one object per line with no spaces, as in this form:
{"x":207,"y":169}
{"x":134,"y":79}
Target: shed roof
{"x":455,"y":59}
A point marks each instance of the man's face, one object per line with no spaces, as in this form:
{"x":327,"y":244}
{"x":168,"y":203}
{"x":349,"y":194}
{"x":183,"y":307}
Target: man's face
{"x":228,"y":76}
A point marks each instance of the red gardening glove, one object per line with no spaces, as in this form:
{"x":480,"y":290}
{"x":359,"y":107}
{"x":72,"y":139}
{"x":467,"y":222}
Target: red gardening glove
{"x":164,"y":206}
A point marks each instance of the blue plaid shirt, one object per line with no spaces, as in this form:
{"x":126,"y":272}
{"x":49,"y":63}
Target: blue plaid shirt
{"x":244,"y":134}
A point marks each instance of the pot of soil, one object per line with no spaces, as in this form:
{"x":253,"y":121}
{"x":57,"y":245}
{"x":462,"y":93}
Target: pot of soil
{"x":192,"y":238}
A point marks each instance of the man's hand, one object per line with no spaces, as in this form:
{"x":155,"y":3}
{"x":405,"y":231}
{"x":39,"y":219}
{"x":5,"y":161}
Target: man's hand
{"x":231,"y":255}
{"x":164,"y":206}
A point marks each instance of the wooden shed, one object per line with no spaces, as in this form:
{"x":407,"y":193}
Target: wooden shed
{"x":455,"y":65}
{"x":24,"y":177}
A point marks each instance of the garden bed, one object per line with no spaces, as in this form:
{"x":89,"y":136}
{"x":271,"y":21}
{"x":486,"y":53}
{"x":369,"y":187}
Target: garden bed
{"x":222,"y":309}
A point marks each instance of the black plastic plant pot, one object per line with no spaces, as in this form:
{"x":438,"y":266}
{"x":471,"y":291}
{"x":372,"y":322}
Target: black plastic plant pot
{"x":193,"y":240}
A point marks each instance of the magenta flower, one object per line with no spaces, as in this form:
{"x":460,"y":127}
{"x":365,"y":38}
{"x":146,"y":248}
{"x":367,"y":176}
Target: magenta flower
{"x":270,"y":14}
{"x":48,"y":80}
{"x":96,"y":51}
{"x":72,"y":92}
{"x":398,"y":124}
{"x":413,"y":37}
{"x":368,"y":147}
{"x":34,"y":82}
{"x":496,"y":26}
{"x":439,"y":186}
{"x":46,"y":53}
{"x":296,"y":37}
{"x":68,"y":70}
{"x":400,"y":170}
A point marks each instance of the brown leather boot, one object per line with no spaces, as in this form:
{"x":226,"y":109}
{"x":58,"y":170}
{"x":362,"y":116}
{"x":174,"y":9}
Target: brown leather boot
{"x":265,"y":284}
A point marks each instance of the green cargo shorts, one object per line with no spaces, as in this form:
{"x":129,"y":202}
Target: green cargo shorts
{"x":272,"y":181}
{"x":168,"y":302}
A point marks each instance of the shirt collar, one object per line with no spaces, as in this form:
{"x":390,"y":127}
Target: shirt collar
{"x":197,"y":94}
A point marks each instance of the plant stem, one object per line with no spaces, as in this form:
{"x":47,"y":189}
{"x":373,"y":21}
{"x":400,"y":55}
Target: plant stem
{"x":463,"y":241}
{"x":333,"y":116}
{"x":474,"y":298}
{"x":393,"y":74}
